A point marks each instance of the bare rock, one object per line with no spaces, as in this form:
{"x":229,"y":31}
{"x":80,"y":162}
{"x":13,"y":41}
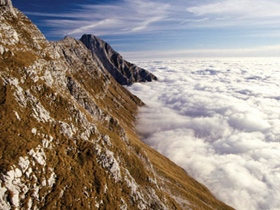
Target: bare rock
{"x":124,"y":72}
{"x":7,"y":4}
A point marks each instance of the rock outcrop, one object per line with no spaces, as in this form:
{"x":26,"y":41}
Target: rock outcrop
{"x":67,"y":136}
{"x":124,"y":72}
{"x":8,"y":6}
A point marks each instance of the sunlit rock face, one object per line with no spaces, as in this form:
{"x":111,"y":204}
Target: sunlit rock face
{"x":8,"y":6}
{"x":67,"y":134}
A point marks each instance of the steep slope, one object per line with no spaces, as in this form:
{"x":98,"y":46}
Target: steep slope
{"x":67,"y":138}
{"x":124,"y":72}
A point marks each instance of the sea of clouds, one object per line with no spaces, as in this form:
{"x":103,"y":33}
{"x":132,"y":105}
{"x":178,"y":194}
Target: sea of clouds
{"x":219,"y":119}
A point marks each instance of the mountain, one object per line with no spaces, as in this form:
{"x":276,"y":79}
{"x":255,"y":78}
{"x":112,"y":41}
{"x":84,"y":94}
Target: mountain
{"x":67,"y":134}
{"x":124,"y":72}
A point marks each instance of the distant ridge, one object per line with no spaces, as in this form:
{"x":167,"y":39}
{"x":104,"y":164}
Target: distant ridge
{"x":125,"y":73}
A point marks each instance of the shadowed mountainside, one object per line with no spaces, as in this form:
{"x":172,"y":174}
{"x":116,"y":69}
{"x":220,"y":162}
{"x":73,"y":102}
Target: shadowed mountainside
{"x":124,"y":72}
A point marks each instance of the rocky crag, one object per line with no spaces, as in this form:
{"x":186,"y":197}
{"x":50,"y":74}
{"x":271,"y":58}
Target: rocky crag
{"x":124,"y":72}
{"x":67,"y":137}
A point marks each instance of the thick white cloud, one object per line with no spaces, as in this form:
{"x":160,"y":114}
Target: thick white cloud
{"x":219,"y":120}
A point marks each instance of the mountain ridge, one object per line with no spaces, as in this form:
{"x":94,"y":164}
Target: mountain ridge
{"x":67,"y":131}
{"x":124,"y":72}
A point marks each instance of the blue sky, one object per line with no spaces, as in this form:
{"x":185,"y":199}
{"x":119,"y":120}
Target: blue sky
{"x":165,"y":29}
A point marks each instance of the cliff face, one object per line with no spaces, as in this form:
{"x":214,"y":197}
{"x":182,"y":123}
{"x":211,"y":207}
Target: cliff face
{"x":67,"y":137}
{"x":124,"y":72}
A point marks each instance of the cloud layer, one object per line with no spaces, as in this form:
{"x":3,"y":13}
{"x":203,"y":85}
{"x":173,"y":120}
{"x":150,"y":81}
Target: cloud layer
{"x":220,"y":120}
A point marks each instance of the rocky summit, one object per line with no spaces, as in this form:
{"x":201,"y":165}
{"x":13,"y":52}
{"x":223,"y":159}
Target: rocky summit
{"x":67,"y":135}
{"x":124,"y":72}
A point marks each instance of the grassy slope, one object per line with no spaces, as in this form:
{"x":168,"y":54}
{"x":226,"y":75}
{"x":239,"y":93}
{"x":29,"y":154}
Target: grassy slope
{"x":76,"y":162}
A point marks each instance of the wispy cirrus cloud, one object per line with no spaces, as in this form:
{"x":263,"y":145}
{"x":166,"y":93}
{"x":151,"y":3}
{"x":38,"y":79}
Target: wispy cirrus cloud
{"x":127,"y":16}
{"x":122,"y":17}
{"x":241,"y":8}
{"x":162,"y":25}
{"x":238,"y":12}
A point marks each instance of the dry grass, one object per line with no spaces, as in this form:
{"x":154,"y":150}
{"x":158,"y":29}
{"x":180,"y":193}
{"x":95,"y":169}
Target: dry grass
{"x":80,"y":180}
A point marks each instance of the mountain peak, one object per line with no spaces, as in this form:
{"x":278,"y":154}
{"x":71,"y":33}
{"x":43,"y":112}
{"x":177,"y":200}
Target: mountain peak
{"x":125,"y":73}
{"x":67,"y":134}
{"x":7,"y":4}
